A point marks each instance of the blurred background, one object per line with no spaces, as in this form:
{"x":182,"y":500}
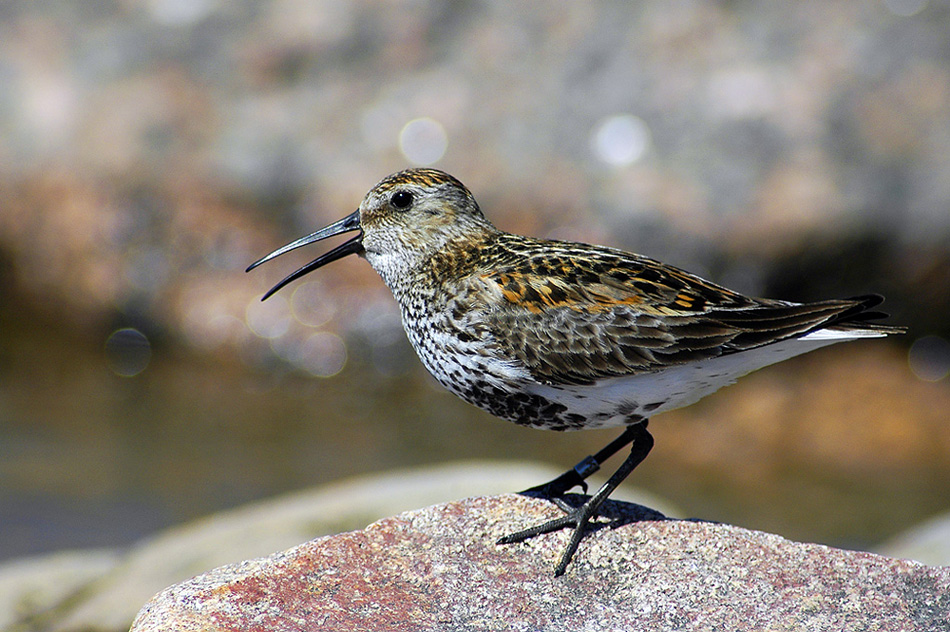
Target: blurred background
{"x":151,"y":149}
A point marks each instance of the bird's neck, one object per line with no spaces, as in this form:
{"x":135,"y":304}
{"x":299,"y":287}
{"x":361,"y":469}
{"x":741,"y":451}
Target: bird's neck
{"x":455,"y":258}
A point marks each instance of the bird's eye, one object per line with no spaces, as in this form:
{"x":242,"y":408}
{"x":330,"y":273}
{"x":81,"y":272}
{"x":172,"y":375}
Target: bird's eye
{"x":401,"y":200}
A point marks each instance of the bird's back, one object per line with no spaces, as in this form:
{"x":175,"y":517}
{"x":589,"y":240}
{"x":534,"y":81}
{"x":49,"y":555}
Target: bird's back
{"x":563,"y":335}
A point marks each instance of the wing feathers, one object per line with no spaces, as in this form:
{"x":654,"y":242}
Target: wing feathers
{"x":603,"y":313}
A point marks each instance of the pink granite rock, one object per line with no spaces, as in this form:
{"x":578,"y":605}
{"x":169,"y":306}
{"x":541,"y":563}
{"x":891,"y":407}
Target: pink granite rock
{"x":439,"y":569}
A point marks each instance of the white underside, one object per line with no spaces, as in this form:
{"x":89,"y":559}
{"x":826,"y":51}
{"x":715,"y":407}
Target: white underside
{"x":611,"y":402}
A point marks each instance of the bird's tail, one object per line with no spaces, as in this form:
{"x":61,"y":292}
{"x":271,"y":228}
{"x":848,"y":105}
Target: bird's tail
{"x":857,"y":321}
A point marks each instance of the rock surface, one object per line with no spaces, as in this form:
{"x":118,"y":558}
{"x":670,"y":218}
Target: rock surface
{"x":438,"y":568}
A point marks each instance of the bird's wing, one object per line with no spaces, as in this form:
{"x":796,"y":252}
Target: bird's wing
{"x":573,"y":317}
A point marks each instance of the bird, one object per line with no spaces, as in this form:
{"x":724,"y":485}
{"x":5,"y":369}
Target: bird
{"x":565,"y":336}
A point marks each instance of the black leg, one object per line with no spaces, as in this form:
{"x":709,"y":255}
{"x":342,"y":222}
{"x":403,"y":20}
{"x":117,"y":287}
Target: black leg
{"x":587,"y":466}
{"x":578,"y":518}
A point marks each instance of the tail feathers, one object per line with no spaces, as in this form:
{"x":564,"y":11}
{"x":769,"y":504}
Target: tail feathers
{"x":846,"y":333}
{"x":774,"y":321}
{"x":856,"y":321}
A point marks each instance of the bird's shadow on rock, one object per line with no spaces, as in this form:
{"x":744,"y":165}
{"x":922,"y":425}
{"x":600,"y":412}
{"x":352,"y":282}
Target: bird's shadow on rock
{"x":611,"y":515}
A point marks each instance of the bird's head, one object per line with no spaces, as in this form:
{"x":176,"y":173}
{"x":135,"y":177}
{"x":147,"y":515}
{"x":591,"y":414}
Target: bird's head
{"x":403,"y":220}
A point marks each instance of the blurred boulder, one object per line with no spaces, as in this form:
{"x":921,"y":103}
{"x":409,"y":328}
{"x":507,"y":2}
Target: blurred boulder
{"x":928,"y":543}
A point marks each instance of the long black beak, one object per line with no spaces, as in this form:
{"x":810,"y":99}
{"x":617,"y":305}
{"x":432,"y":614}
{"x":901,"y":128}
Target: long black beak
{"x":352,"y":246}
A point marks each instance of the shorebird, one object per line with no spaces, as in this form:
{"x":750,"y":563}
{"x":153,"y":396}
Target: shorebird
{"x":565,"y":336}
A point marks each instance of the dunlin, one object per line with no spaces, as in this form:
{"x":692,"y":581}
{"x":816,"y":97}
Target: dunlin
{"x":566,"y":336}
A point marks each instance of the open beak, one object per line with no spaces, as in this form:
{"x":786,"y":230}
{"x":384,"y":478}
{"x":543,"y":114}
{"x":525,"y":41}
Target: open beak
{"x":352,"y":246}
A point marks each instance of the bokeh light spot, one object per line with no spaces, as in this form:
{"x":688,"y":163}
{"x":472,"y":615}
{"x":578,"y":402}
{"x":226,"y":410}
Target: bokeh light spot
{"x":323,"y":354}
{"x":311,"y":304}
{"x":621,"y":140}
{"x":929,"y":358}
{"x":270,"y":318}
{"x":423,"y":141}
{"x":128,"y":352}
{"x":180,"y":12}
{"x":905,"y":8}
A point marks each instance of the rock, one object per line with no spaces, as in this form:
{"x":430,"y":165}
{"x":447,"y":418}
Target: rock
{"x":439,"y":568}
{"x":928,"y":543}
{"x":106,"y":598}
{"x":34,"y":585}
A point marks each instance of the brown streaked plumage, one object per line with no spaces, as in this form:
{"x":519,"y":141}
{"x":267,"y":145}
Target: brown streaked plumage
{"x":561,"y":335}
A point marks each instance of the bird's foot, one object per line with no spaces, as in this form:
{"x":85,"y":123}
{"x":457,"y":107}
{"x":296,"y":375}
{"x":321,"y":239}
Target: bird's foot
{"x":574,"y":477}
{"x":577,"y":517}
